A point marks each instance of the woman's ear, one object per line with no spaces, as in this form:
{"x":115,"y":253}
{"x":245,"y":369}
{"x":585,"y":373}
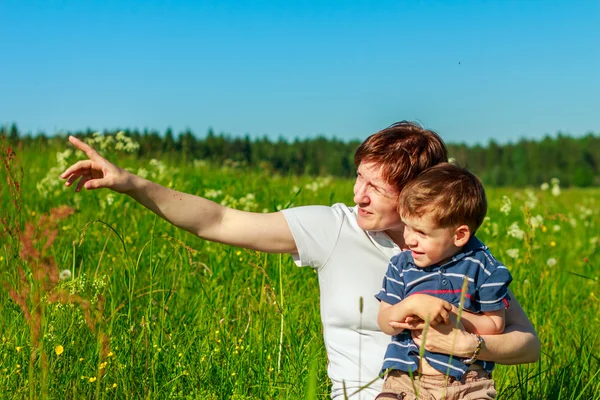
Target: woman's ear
{"x":462,"y":234}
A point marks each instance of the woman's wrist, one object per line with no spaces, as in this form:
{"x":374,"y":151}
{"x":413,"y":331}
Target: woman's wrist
{"x":479,"y":342}
{"x":467,"y":346}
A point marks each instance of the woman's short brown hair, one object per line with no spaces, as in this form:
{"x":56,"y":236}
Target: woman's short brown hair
{"x":404,"y":150}
{"x":451,"y":195}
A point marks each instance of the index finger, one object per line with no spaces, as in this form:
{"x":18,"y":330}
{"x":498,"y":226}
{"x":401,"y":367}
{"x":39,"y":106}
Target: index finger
{"x":86,"y":148}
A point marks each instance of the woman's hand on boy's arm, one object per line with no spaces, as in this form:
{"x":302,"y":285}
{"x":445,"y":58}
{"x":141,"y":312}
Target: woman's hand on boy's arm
{"x":517,"y":345}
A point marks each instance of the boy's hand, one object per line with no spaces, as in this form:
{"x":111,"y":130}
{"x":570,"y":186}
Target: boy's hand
{"x":423,"y":308}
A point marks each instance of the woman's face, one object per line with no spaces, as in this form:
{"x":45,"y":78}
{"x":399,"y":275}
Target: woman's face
{"x":377,"y":201}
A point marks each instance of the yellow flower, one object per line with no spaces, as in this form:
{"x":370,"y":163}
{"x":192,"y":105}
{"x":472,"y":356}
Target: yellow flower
{"x":103,"y":365}
{"x":81,"y":358}
{"x":553,"y":243}
{"x":114,"y":385}
{"x":544,"y":229}
{"x":19,"y":349}
{"x":111,"y":354}
{"x":59,"y":350}
{"x":92,"y":379}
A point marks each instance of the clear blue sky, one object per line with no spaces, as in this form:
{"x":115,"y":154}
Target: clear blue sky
{"x":472,"y":70}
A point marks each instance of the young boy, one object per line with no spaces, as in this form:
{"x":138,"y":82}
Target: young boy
{"x":441,"y":210}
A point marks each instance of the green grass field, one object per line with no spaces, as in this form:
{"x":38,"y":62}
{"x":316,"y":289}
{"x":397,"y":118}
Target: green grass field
{"x":153,"y":312}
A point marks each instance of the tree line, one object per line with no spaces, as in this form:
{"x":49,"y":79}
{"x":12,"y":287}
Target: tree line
{"x":575,"y":161}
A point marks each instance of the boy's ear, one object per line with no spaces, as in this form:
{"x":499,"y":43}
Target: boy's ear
{"x":462,"y":234}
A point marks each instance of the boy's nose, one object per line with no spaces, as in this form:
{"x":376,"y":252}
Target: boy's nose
{"x":410,"y":239}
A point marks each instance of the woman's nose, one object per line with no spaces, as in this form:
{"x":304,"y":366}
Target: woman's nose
{"x":360,"y":194}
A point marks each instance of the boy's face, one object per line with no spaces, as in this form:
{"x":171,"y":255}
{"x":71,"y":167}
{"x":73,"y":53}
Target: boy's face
{"x":429,"y":243}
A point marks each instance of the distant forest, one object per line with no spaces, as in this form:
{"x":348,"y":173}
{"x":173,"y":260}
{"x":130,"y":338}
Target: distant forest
{"x":574,"y":161}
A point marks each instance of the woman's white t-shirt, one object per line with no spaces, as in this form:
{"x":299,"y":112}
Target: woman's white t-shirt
{"x":351,"y":264}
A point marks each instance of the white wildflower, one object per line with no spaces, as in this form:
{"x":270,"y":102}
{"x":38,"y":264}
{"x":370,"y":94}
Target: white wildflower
{"x":314,"y":186}
{"x":556,"y":228}
{"x":506,"y":205}
{"x":545,"y":186}
{"x":212,"y":193}
{"x":321,"y":182}
{"x":515,"y":231}
{"x":555,"y":187}
{"x":551,"y":262}
{"x":536,"y":221}
{"x":110,"y":199}
{"x":142,"y":172}
{"x":513,"y":253}
{"x":159,"y":169}
{"x":584,"y":212}
{"x":532,"y":200}
{"x":247,"y":202}
{"x":229,"y":201}
{"x":62,"y":157}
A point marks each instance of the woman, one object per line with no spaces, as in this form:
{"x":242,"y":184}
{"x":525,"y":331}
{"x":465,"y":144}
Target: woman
{"x":348,"y":246}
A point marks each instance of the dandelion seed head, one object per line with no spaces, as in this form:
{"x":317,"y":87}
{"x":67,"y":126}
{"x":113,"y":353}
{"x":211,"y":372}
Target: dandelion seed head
{"x":64,"y":275}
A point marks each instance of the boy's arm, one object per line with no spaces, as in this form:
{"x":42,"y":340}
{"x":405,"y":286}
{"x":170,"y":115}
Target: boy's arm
{"x":486,"y":323}
{"x":202,"y":217}
{"x":422,"y":306}
{"x":385,"y":314}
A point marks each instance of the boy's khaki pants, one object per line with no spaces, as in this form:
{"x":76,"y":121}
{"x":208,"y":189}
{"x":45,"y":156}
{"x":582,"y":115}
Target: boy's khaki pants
{"x":475,"y":384}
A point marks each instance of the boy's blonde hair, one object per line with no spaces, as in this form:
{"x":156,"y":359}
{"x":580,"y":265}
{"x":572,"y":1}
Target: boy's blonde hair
{"x":451,"y":194}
